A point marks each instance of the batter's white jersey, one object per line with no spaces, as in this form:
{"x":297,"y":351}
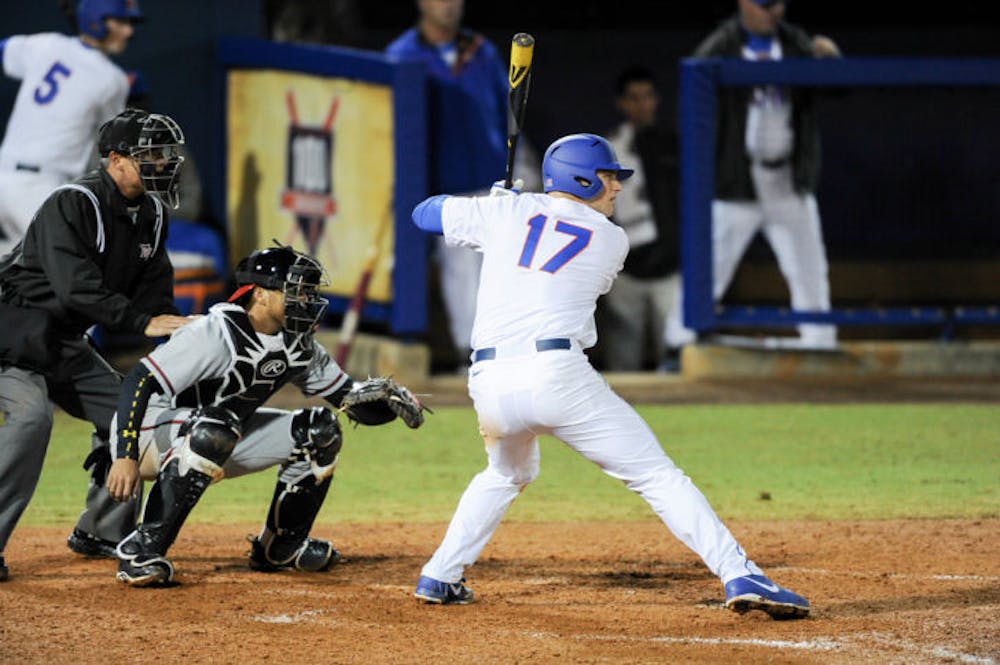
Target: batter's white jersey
{"x":67,"y":90}
{"x":546,"y":260}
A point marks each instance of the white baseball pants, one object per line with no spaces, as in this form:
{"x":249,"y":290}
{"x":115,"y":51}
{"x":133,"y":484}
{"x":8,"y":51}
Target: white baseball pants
{"x":559,"y":393}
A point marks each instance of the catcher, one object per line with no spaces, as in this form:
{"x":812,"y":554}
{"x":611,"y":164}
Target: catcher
{"x":190,"y":414}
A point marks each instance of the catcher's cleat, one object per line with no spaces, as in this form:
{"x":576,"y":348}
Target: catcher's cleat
{"x":312,"y":556}
{"x":434,"y":591}
{"x":4,"y":570}
{"x":756,"y":592}
{"x":145,"y":571}
{"x":89,"y":545}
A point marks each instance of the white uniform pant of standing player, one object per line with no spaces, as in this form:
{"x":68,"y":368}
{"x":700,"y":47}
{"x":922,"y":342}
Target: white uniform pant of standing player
{"x":22,"y":192}
{"x":459,"y":276}
{"x":559,"y":393}
{"x":791,"y":224}
{"x":633,"y":304}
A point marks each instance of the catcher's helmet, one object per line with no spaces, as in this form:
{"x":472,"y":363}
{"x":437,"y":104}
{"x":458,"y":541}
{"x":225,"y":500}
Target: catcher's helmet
{"x":571,"y":164}
{"x":90,"y":15}
{"x":153,"y":139}
{"x":297,"y":275}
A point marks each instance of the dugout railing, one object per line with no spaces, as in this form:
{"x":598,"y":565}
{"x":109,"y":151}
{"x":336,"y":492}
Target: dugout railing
{"x":700,"y":82}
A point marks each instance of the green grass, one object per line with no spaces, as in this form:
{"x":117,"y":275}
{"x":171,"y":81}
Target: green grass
{"x":829,"y":462}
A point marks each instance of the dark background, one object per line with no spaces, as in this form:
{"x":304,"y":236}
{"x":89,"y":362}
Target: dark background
{"x":900,"y":165}
{"x":908,"y":174}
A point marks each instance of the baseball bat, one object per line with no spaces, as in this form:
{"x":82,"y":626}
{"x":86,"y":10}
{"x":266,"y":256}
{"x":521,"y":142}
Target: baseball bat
{"x":349,"y":325}
{"x":522,"y":48}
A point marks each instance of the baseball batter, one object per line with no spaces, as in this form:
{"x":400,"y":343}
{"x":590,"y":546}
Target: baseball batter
{"x":189,"y":414}
{"x":69,"y":87}
{"x":546,"y":259}
{"x":767,"y":165}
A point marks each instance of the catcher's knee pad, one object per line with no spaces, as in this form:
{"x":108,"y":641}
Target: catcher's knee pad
{"x":316,"y":437}
{"x":212,"y":432}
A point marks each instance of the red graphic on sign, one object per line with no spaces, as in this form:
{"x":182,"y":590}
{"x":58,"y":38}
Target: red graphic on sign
{"x":308,"y":192}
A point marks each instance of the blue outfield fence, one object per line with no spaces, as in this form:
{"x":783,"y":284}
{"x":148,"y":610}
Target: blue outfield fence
{"x":700,"y":81}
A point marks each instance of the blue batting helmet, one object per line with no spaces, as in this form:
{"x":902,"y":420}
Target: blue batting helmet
{"x":90,"y":15}
{"x":571,"y":164}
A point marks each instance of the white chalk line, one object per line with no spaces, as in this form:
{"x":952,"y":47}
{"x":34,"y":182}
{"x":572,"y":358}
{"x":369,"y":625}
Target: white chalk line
{"x":297,"y":617}
{"x":816,"y":644}
{"x":936,"y":651}
{"x":909,"y":576}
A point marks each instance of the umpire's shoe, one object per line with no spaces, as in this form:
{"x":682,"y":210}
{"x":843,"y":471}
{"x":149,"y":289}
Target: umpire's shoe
{"x":86,"y":544}
{"x":4,"y":570}
{"x":756,"y":592}
{"x":312,"y":556}
{"x":137,"y":568}
{"x":443,"y":593}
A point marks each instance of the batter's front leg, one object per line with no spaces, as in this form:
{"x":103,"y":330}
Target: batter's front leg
{"x":513,"y":463}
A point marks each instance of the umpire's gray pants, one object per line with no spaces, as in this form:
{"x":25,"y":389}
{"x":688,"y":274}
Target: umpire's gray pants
{"x":86,"y":387}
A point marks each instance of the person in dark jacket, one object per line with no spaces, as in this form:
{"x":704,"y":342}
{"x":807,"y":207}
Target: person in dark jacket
{"x":647,"y":289}
{"x":768,"y":161}
{"x":467,"y":124}
{"x":94,"y":253}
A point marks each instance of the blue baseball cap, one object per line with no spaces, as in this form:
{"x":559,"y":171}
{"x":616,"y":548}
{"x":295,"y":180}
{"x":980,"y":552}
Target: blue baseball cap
{"x":767,"y":3}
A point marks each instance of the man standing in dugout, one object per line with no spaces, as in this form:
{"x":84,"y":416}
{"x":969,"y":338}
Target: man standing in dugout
{"x":93,"y":254}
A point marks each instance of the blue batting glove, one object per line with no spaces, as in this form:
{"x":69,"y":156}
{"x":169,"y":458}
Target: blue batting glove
{"x":498,"y":188}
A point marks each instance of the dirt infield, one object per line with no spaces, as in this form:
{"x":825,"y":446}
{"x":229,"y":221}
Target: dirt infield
{"x":886,"y":592}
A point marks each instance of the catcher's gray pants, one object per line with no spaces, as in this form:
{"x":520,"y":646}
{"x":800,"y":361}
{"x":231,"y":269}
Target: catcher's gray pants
{"x":266,"y":442}
{"x":86,"y":388}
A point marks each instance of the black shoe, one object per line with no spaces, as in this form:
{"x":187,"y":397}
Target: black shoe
{"x":141,"y":571}
{"x":4,"y":570}
{"x":671,"y":362}
{"x":85,"y":544}
{"x":312,"y":556}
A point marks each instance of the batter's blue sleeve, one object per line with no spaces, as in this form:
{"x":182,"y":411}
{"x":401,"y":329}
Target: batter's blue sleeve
{"x":427,"y":215}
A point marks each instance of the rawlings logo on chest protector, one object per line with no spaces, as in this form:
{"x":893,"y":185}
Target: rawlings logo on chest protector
{"x":273,"y":368}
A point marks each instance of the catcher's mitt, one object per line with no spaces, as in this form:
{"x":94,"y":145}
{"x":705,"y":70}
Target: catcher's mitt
{"x":366,"y":399}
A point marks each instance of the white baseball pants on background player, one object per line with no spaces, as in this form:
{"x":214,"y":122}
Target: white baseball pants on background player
{"x":21,"y":194}
{"x":523,"y":394}
{"x":791,"y":225}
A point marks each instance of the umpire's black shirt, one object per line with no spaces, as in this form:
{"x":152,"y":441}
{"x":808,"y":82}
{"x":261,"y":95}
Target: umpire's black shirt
{"x":91,"y":256}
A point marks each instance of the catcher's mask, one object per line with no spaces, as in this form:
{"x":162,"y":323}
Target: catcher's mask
{"x":297,"y":275}
{"x":154,"y":140}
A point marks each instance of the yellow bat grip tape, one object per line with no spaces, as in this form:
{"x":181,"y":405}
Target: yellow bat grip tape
{"x":522,"y":49}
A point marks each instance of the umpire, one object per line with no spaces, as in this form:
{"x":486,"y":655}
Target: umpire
{"x":94,"y":254}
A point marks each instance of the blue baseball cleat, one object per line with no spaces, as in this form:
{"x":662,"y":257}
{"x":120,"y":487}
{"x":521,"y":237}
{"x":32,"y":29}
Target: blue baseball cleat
{"x":443,"y":593}
{"x":756,"y":592}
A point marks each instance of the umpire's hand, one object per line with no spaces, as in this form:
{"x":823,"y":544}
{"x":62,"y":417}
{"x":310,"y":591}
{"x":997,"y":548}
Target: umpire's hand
{"x":165,"y":324}
{"x":123,"y":479}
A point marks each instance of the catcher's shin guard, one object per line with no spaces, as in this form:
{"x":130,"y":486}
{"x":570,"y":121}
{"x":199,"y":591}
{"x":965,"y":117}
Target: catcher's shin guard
{"x":181,"y":481}
{"x":141,"y":560}
{"x":284,"y":542}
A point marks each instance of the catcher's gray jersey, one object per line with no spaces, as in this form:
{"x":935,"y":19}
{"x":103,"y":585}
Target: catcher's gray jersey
{"x":219,"y":360}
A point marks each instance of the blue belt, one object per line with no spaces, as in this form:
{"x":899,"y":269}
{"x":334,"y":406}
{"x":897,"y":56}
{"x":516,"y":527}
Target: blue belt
{"x":490,"y":352}
{"x":28,"y":167}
